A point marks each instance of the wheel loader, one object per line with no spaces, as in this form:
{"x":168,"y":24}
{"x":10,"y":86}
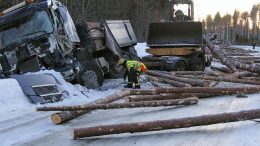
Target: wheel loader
{"x":177,"y":45}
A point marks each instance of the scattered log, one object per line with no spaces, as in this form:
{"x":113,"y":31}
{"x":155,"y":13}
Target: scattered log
{"x":139,"y":98}
{"x":244,"y":74}
{"x":218,"y":55}
{"x":188,"y":72}
{"x":222,"y":69}
{"x":166,"y":124}
{"x":252,"y":68}
{"x":171,"y":96}
{"x":237,"y":54}
{"x":225,"y":79}
{"x":184,"y":80}
{"x":227,"y":90}
{"x":167,"y":81}
{"x":245,"y":58}
{"x":252,"y":78}
{"x":62,"y":117}
{"x":177,"y":102}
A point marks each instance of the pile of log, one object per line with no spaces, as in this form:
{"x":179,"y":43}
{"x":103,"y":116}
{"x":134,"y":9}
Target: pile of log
{"x":187,"y":88}
{"x":152,"y":98}
{"x":241,"y":69}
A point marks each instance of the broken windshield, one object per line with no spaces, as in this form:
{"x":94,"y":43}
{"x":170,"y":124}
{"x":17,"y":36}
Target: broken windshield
{"x":31,"y":26}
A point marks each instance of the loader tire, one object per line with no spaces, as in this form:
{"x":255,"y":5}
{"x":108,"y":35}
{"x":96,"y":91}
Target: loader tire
{"x":92,"y":76}
{"x":180,"y":66}
{"x":197,"y":64}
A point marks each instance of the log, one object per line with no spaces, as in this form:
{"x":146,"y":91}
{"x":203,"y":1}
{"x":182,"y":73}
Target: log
{"x":167,"y":81}
{"x":186,"y":101}
{"x":184,"y":80}
{"x":252,"y":68}
{"x":225,"y":79}
{"x":244,"y":74}
{"x":171,"y":96}
{"x":187,"y":72}
{"x":227,"y":90}
{"x":237,"y":54}
{"x":245,"y":58}
{"x":159,"y":125}
{"x":222,"y":69}
{"x":218,"y":55}
{"x":62,"y":117}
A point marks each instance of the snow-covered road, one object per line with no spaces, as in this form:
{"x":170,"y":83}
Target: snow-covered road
{"x":21,"y":125}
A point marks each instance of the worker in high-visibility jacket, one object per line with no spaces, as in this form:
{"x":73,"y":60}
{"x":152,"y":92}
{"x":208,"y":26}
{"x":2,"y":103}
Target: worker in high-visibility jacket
{"x":133,"y":69}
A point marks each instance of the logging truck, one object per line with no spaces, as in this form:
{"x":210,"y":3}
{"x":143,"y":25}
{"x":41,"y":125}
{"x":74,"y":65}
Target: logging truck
{"x":42,"y":35}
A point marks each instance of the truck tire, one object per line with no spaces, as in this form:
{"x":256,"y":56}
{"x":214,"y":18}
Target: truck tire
{"x":92,"y":76}
{"x":116,"y":71}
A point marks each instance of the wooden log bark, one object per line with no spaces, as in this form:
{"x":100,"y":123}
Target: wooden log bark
{"x":186,"y":101}
{"x":62,"y":117}
{"x":166,"y":124}
{"x":171,"y":77}
{"x":238,"y":54}
{"x":170,"y":96}
{"x":167,"y":81}
{"x":227,"y":90}
{"x":222,"y":69}
{"x":188,"y":72}
{"x":225,"y":79}
{"x":252,"y":68}
{"x":218,"y":55}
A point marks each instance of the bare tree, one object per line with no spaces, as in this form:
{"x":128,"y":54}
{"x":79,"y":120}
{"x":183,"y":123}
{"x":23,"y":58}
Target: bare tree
{"x":253,"y":16}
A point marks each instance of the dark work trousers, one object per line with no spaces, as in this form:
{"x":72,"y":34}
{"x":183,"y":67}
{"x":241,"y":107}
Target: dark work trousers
{"x":133,"y":77}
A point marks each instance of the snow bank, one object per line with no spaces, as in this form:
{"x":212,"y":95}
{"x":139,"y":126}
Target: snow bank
{"x":140,"y":48}
{"x":11,"y":96}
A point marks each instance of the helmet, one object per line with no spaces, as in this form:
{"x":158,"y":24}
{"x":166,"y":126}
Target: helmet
{"x":121,"y":61}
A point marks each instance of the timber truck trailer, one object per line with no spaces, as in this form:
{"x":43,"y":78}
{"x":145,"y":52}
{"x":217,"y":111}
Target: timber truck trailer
{"x":177,"y":45}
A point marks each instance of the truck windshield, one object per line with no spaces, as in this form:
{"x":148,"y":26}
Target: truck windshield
{"x":28,"y":27}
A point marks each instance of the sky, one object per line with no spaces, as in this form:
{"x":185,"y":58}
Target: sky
{"x":205,"y":7}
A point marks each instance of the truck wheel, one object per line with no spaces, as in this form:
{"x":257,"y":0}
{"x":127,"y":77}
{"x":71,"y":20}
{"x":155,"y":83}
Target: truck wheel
{"x":116,"y":72}
{"x":92,"y":76}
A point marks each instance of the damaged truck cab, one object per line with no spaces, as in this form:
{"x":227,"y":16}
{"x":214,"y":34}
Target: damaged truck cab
{"x":42,"y":35}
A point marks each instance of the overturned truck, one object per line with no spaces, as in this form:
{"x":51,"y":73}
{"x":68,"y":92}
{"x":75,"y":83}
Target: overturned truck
{"x":108,"y":41}
{"x":42,"y":35}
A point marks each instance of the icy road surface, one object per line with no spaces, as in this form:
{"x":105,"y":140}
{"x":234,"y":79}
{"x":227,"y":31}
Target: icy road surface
{"x":21,"y":125}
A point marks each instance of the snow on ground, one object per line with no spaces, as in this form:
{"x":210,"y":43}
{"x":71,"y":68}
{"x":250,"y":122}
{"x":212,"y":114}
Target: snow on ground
{"x":140,"y":48}
{"x":21,"y":125}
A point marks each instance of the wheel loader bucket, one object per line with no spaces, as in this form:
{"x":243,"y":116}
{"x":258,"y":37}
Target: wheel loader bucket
{"x":175,"y":34}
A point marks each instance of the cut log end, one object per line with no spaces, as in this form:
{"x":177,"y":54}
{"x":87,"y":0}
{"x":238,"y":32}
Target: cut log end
{"x":56,"y":119}
{"x":73,"y":135}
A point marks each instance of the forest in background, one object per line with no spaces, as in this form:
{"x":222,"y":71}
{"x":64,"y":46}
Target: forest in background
{"x":140,"y":12}
{"x":239,"y":27}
